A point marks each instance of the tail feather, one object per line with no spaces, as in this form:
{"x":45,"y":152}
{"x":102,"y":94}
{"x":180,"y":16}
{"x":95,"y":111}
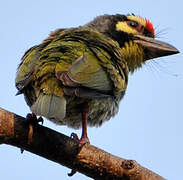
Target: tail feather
{"x":51,"y":107}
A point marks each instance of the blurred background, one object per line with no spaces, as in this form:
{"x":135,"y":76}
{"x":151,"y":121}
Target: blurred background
{"x":148,"y":127}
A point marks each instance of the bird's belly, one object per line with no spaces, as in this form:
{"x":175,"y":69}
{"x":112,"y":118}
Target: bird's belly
{"x":100,"y":110}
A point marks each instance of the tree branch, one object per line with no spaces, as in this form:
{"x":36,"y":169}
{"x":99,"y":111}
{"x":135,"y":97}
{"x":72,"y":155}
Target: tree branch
{"x":89,"y":160}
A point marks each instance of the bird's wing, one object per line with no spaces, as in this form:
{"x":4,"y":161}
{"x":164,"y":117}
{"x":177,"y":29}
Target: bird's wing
{"x":29,"y":61}
{"x":95,"y":70}
{"x":86,"y":78}
{"x":26,"y":67}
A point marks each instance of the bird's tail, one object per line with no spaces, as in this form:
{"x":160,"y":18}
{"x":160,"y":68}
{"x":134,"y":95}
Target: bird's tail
{"x":50,"y":106}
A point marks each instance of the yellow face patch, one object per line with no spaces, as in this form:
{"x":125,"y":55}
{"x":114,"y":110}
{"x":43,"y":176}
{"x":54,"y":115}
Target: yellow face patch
{"x":140,"y":20}
{"x":123,"y":26}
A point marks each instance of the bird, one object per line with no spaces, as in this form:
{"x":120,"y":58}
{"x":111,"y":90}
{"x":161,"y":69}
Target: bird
{"x":77,"y":76}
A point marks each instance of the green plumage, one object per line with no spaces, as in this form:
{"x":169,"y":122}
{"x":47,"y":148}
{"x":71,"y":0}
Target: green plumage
{"x":69,"y":68}
{"x":87,"y":65}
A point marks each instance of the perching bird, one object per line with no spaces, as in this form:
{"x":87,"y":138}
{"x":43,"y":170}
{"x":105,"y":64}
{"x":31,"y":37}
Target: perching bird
{"x":78,"y":76}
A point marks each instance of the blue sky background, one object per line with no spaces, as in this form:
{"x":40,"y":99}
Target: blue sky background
{"x":149,"y":126}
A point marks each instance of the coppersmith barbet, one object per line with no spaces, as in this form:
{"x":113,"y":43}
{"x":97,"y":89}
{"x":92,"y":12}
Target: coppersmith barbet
{"x":78,"y":76}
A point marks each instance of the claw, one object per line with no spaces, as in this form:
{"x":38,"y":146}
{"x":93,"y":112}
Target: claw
{"x":72,"y":173}
{"x":32,"y":119}
{"x":82,"y":141}
{"x":74,"y":136}
{"x":21,"y":150}
{"x":40,"y":119}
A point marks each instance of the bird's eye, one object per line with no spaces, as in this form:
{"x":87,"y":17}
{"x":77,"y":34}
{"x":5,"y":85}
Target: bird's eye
{"x":133,"y":24}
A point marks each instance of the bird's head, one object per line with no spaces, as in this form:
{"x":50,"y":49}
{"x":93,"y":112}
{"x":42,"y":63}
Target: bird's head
{"x":136,"y":37}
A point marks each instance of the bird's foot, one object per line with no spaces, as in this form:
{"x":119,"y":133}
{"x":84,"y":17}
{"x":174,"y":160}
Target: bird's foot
{"x":84,"y":139}
{"x":21,"y":150}
{"x":75,"y":136}
{"x":72,"y":173}
{"x":31,"y":118}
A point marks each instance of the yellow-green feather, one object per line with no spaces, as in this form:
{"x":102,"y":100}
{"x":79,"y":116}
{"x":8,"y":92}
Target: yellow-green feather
{"x":104,"y":60}
{"x":133,"y":54}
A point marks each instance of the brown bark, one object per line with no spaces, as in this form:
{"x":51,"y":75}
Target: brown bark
{"x":89,"y":160}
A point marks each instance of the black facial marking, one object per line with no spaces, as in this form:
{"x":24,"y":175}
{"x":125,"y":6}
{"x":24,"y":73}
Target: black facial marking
{"x":133,"y":24}
{"x":147,"y":33}
{"x":119,"y":36}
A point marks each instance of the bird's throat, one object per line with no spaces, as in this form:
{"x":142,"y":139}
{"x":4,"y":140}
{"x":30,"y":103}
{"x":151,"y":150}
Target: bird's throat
{"x":133,"y":54}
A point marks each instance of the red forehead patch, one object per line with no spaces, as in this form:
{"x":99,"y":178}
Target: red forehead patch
{"x":149,"y":27}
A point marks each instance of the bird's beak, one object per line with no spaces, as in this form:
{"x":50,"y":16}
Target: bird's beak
{"x":154,"y":48}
